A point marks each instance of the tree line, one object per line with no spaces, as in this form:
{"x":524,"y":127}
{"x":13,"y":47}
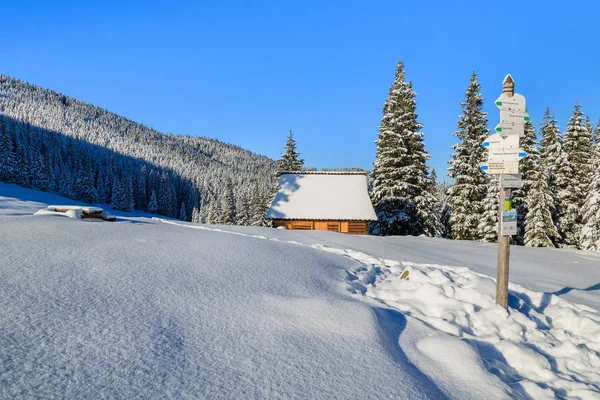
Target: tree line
{"x":558,"y":205}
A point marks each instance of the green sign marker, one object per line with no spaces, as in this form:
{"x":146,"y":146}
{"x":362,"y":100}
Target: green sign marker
{"x":526,"y":118}
{"x":498,"y":103}
{"x":499,"y":129}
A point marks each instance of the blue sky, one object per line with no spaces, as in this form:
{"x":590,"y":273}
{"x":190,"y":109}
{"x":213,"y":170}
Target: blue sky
{"x":245,"y":72}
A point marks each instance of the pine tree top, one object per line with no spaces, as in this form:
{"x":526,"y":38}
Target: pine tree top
{"x":290,"y":160}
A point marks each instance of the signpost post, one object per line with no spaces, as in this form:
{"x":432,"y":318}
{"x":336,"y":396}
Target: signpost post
{"x":503,"y":159}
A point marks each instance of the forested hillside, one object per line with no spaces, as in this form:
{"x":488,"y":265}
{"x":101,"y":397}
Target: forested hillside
{"x":53,"y":142}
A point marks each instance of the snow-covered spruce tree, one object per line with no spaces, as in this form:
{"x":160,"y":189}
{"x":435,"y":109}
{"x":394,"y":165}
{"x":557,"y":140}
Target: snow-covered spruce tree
{"x":540,"y":230}
{"x":228,"y":206}
{"x":568,"y":211}
{"x":182,"y":212}
{"x":527,"y":167}
{"x":596,"y":134}
{"x":589,"y":126}
{"x":552,"y":160}
{"x":195,"y":215}
{"x":127,"y":190}
{"x":243,"y":211}
{"x":214,"y":213}
{"x":259,"y":210}
{"x":290,"y":160}
{"x":596,"y":143}
{"x":433,"y":176}
{"x":7,"y":154}
{"x":117,"y":194}
{"x":402,"y":190}
{"x":488,"y":223}
{"x":590,"y":232}
{"x":578,"y":148}
{"x":153,"y":203}
{"x":468,"y":190}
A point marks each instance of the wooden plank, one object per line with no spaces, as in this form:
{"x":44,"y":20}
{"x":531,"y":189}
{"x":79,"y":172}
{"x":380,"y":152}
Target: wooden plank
{"x":321,"y":225}
{"x":344,"y":227}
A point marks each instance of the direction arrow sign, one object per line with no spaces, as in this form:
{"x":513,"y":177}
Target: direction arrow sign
{"x":513,"y":117}
{"x":514,"y":103}
{"x":504,"y":154}
{"x":495,"y":141}
{"x":501,"y":167}
{"x":510,"y":129}
{"x":512,"y":181}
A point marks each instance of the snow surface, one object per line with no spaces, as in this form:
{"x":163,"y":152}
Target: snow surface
{"x":322,"y":196}
{"x":152,"y":308}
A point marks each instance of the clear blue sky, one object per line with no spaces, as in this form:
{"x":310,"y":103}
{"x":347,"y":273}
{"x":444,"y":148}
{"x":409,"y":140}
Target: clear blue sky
{"x":245,"y":72}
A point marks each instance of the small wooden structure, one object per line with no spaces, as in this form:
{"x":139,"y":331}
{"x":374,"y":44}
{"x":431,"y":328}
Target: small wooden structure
{"x":335,"y":201}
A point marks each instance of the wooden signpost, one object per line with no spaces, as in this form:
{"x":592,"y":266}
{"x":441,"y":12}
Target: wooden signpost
{"x":503,"y":159}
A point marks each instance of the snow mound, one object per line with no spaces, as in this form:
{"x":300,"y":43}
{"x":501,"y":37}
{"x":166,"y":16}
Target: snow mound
{"x":544,"y":342}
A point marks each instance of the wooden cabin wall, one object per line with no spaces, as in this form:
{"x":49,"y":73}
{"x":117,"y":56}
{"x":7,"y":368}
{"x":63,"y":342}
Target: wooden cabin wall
{"x":351,"y":227}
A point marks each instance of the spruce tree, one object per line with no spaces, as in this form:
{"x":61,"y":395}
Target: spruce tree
{"x":590,"y":232}
{"x":528,"y":168}
{"x":567,"y":212}
{"x":290,"y":160}
{"x":488,"y":223}
{"x":578,"y":149}
{"x":153,"y":203}
{"x":259,"y":210}
{"x":228,"y":205}
{"x":127,"y":203}
{"x":164,"y":196}
{"x":596,"y":143}
{"x":65,"y":184}
{"x":117,"y":194}
{"x":540,"y":230}
{"x":402,"y":191}
{"x":7,"y":154}
{"x":214,"y":213}
{"x":433,"y":176}
{"x":468,"y":190}
{"x":596,"y":134}
{"x":182,"y":212}
{"x":243,"y":211}
{"x":552,"y":162}
{"x":589,"y":126}
{"x":195,"y":215}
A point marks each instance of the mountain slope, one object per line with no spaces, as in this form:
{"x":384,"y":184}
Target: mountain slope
{"x":207,"y":164}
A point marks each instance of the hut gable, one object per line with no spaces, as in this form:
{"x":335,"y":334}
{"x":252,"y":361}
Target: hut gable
{"x":324,"y":196}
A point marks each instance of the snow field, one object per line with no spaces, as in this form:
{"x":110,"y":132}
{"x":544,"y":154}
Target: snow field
{"x":141,"y":309}
{"x":545,"y":347}
{"x":147,"y":309}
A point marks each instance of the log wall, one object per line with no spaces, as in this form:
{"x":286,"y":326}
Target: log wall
{"x":351,"y":227}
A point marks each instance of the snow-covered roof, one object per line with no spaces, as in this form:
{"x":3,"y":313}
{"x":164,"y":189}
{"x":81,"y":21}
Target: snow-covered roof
{"x":324,"y":196}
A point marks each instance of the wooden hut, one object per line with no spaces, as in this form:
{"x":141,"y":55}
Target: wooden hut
{"x":332,"y":201}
